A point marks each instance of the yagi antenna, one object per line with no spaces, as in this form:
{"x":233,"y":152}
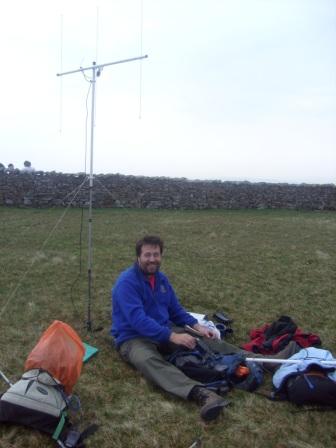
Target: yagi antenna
{"x":96,"y":69}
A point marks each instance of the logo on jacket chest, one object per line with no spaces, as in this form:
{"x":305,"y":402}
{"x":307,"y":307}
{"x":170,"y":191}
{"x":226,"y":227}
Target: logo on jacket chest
{"x":163,"y":288}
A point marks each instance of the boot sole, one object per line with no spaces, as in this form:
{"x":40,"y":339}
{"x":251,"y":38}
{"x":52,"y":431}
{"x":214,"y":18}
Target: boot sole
{"x":212,"y":411}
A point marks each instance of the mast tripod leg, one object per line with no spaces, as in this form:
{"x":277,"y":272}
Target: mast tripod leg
{"x":5,"y":378}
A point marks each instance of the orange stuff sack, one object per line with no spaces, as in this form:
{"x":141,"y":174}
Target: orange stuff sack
{"x":60,"y":351}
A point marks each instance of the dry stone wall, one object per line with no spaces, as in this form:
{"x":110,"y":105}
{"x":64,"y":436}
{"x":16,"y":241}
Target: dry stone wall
{"x":114,"y":190}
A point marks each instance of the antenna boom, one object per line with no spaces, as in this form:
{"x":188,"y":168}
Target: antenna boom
{"x":82,"y":69}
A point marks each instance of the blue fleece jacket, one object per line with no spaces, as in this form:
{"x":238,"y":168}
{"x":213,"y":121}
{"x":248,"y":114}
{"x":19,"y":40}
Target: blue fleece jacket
{"x":138,"y":311}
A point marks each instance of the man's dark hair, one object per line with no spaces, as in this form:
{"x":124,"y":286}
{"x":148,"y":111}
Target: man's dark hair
{"x":148,"y":239}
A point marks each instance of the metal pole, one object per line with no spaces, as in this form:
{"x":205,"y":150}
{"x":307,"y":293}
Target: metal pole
{"x":94,"y":69}
{"x":93,"y":81}
{"x":83,"y":69}
{"x":290,"y":361}
{"x":5,"y":378}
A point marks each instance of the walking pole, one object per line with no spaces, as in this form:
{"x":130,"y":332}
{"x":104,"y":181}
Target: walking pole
{"x":290,"y":361}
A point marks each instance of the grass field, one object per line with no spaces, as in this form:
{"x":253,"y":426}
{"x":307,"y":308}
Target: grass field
{"x":255,"y":265}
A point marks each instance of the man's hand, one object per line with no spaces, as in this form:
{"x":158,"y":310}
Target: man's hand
{"x":205,"y":331}
{"x":183,"y":339}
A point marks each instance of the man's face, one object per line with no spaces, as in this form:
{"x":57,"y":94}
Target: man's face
{"x":150,"y":259}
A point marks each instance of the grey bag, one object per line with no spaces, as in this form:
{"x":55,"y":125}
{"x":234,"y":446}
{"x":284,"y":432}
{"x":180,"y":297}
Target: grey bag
{"x":37,"y":400}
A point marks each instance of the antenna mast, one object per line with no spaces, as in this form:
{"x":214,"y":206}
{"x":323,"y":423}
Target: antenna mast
{"x":96,"y":69}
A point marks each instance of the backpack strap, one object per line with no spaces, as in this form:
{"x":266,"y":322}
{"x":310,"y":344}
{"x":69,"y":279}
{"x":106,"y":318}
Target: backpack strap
{"x":91,"y":429}
{"x":272,"y":396}
{"x":60,"y":426}
{"x":73,"y":438}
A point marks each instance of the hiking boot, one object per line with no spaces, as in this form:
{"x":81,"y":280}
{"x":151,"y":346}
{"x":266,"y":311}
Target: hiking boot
{"x":291,"y":348}
{"x":211,"y":403}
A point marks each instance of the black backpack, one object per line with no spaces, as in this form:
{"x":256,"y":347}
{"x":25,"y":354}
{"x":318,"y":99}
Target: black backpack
{"x":311,"y":387}
{"x":217,"y":371}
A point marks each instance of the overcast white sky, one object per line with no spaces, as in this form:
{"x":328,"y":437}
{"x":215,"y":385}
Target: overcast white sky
{"x":231,"y":90}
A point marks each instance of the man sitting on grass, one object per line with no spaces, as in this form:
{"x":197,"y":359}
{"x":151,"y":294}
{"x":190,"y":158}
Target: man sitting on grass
{"x":148,"y":321}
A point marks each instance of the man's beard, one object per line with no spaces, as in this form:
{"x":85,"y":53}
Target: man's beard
{"x":149,"y":268}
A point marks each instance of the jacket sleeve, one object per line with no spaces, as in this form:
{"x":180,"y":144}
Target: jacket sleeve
{"x":178,"y":315}
{"x":131,"y":307}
